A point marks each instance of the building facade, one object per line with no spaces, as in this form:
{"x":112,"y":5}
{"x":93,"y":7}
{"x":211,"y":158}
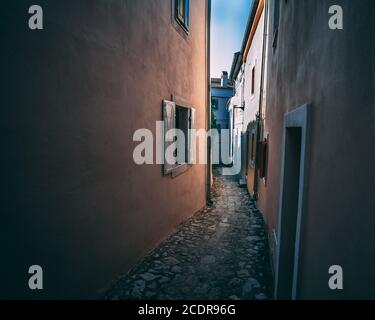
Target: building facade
{"x":236,"y":107}
{"x":303,"y":89}
{"x":78,"y":204}
{"x":248,"y":74}
{"x":317,"y":195}
{"x":221,"y":93}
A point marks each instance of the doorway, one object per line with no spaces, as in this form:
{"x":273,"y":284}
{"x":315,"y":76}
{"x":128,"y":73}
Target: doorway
{"x":293,"y":190}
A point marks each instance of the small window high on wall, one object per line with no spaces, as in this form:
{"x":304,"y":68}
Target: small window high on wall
{"x":182,"y":13}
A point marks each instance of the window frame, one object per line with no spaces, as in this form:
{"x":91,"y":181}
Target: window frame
{"x":180,"y":168}
{"x":183,"y":19}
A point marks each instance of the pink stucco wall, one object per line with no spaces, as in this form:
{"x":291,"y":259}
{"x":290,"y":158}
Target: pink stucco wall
{"x":77,"y":204}
{"x":334,"y":72}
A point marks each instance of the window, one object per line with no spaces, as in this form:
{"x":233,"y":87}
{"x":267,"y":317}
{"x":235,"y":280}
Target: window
{"x":179,"y":143}
{"x":263,"y":155}
{"x":182,"y":13}
{"x":253,"y":80}
{"x":183,"y":124}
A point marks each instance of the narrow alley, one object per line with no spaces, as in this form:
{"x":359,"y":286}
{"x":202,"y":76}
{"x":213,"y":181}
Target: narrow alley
{"x":220,"y":253}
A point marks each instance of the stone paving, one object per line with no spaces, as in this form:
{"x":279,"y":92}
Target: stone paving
{"x":220,"y":253}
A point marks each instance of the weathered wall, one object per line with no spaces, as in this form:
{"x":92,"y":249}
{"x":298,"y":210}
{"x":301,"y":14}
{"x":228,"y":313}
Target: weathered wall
{"x":334,"y":71}
{"x":74,"y":202}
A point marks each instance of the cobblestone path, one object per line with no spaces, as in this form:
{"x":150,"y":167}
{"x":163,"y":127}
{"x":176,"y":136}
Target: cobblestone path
{"x":220,"y":253}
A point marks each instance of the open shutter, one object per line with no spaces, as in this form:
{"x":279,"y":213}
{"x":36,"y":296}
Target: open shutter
{"x":192,"y":136}
{"x":169,"y":118}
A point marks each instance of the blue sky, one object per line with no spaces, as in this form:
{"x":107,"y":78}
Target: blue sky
{"x":228,"y":23}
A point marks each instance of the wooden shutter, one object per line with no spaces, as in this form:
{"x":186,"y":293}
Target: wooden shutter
{"x":192,"y":139}
{"x":169,"y":118}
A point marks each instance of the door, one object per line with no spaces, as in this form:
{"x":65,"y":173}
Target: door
{"x":293,"y":192}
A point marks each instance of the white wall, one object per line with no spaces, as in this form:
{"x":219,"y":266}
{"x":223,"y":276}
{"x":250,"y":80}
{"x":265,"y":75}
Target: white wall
{"x":236,"y":124}
{"x":253,"y":58}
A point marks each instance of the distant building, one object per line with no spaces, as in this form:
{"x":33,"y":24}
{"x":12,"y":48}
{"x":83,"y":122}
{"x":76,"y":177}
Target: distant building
{"x":221,"y":92}
{"x":244,"y":107}
{"x":236,"y":107}
{"x":254,"y":59}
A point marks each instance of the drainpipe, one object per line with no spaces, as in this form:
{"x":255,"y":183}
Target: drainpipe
{"x":259,"y":115}
{"x":208,"y":108}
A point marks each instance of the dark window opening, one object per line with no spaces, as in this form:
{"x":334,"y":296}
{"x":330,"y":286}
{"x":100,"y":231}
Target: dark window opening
{"x":183,"y":124}
{"x":263,"y":157}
